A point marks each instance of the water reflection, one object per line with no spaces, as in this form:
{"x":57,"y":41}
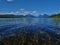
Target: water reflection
{"x":40,"y":21}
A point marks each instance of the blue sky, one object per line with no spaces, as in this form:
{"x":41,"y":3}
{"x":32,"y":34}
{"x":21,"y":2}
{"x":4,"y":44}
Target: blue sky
{"x":36,"y":6}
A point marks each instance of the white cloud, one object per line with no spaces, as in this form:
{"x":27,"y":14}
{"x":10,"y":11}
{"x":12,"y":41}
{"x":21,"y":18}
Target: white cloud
{"x":9,"y":0}
{"x":23,"y":12}
{"x":26,"y":12}
{"x":36,"y":13}
{"x":22,"y":9}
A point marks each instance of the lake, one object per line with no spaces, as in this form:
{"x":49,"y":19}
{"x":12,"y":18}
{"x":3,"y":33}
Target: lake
{"x":25,"y":31}
{"x":9,"y":24}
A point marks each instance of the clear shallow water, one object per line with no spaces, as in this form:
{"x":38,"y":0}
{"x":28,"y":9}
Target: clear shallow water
{"x":10,"y":25}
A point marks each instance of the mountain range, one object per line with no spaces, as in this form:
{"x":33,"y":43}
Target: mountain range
{"x":29,"y":16}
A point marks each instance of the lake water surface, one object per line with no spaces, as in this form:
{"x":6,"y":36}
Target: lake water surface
{"x":9,"y":24}
{"x":28,"y":21}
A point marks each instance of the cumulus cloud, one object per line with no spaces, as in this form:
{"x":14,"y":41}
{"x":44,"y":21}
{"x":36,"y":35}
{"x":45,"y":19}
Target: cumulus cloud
{"x":24,"y":12}
{"x":22,"y":9}
{"x":35,"y":13}
{"x":9,"y":0}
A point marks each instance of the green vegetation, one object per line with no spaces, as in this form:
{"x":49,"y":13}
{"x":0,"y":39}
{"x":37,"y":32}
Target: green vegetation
{"x":55,"y":16}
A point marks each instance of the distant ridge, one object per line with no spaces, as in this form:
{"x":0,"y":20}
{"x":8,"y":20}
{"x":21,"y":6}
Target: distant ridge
{"x":43,"y":16}
{"x":11,"y":16}
{"x":16,"y":16}
{"x":27,"y":16}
